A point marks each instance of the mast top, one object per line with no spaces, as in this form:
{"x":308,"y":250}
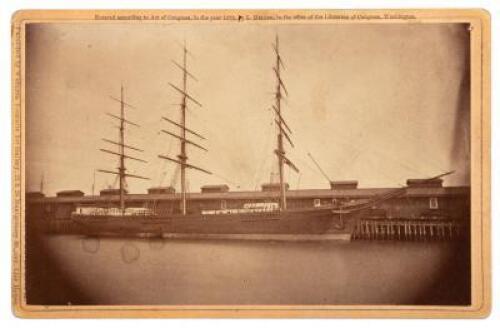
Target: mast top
{"x":182,"y":157}
{"x":282,"y":126}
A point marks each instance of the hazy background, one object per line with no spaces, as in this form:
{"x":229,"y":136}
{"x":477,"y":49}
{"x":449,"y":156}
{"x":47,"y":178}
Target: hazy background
{"x":376,"y":103}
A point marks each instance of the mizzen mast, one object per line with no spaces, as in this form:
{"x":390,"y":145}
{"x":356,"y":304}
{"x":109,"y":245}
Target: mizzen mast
{"x":283,"y":130}
{"x":121,"y":173}
{"x":182,"y":136}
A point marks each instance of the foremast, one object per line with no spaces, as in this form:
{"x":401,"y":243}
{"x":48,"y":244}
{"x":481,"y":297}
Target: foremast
{"x":283,"y":130}
{"x":121,"y":173}
{"x":183,"y":130}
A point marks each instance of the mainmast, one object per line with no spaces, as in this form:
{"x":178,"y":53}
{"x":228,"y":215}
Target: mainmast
{"x":182,"y":156}
{"x":121,"y":149}
{"x":283,"y":128}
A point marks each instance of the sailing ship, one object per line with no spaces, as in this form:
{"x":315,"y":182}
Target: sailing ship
{"x":263,"y":218}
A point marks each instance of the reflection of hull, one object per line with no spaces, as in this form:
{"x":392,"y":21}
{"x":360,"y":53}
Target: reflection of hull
{"x":314,"y":221}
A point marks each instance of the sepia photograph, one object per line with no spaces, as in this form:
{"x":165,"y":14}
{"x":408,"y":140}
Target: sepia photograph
{"x":233,"y":159}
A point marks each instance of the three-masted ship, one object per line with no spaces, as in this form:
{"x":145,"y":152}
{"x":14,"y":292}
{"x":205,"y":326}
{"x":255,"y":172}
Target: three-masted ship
{"x":265,"y":218}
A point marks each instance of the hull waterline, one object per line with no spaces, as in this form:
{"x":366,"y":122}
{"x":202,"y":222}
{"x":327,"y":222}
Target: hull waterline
{"x":274,"y":225}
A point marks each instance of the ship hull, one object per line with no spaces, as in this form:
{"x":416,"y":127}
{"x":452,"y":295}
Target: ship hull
{"x":297,"y":222}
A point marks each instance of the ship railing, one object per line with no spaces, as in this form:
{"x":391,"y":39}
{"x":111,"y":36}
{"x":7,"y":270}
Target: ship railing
{"x":112,"y":212}
{"x":239,"y":211}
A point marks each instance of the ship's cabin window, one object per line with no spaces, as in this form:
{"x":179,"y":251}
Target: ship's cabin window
{"x":433,"y":203}
{"x":335,"y":201}
{"x":223,"y":204}
{"x":317,"y":202}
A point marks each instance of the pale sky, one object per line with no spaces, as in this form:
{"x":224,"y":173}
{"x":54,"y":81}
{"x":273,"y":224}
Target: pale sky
{"x":378,"y":103}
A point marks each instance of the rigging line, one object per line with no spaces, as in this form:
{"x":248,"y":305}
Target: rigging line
{"x":284,"y":133}
{"x":122,"y":119}
{"x":183,"y":47}
{"x":121,"y":101}
{"x":117,"y":177}
{"x":163,"y":168}
{"x":308,"y":166}
{"x":378,"y":152}
{"x":382,"y":154}
{"x":187,"y":141}
{"x":287,"y":161}
{"x":126,"y":175}
{"x":124,"y":156}
{"x":265,"y":157}
{"x":162,"y":178}
{"x":186,"y":165}
{"x":383,"y":173}
{"x":183,"y":127}
{"x":185,"y":70}
{"x":105,"y":184}
{"x":162,"y":174}
{"x":277,"y":113}
{"x":188,"y":96}
{"x":165,"y":164}
{"x":319,"y":167}
{"x":121,"y":144}
{"x":352,"y":159}
{"x":258,"y":178}
{"x":188,"y":192}
{"x":398,"y":160}
{"x":191,"y":112}
{"x":175,"y":176}
{"x":430,"y":159}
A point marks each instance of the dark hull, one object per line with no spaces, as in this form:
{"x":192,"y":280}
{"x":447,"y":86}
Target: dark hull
{"x":307,"y":221}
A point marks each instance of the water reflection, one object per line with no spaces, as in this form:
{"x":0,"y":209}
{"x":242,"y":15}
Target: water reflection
{"x":157,"y":271}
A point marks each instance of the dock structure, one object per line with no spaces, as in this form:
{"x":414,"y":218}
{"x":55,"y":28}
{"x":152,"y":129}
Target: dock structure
{"x":421,"y":212}
{"x":422,"y":229}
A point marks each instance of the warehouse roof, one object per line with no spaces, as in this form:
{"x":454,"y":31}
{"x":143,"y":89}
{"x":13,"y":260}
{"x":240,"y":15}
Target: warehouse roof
{"x":291,"y":194}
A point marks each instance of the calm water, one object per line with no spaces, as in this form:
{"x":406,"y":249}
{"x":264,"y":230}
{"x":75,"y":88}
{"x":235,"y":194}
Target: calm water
{"x":79,"y":270}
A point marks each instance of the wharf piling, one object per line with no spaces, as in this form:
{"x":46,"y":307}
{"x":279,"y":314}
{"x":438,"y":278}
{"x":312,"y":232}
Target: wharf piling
{"x":409,"y":229}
